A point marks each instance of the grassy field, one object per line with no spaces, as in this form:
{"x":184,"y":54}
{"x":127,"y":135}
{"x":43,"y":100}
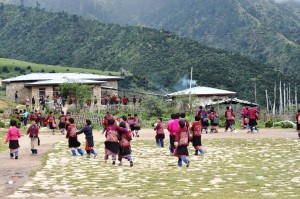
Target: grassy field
{"x":16,"y":67}
{"x":231,"y":168}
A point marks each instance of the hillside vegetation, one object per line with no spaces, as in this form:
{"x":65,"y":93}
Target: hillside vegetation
{"x":262,"y":29}
{"x":157,"y":59}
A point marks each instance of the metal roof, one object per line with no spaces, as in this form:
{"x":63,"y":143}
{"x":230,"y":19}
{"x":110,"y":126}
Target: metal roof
{"x":50,"y":76}
{"x":203,"y":91}
{"x":233,"y":101}
{"x":63,"y":80}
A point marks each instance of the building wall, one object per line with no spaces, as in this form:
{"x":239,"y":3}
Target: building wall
{"x":11,"y":88}
{"x":113,"y":84}
{"x":48,"y":92}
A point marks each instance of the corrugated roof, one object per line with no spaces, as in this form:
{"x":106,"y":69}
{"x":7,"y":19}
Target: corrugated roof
{"x":64,"y":80}
{"x":50,"y":76}
{"x":202,"y":91}
{"x":234,"y":100}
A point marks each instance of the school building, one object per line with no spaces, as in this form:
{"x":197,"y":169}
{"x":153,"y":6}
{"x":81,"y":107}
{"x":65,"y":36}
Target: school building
{"x":47,"y":84}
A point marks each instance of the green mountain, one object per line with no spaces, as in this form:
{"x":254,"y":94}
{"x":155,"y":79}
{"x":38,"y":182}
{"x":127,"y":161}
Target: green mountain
{"x":262,"y":29}
{"x":158,"y":60}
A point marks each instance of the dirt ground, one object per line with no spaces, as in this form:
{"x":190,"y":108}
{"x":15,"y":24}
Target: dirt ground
{"x":19,"y":171}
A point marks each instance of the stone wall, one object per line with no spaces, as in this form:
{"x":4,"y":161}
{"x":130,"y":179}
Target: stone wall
{"x":113,"y":84}
{"x":0,"y":82}
{"x":48,"y":92}
{"x":11,"y":88}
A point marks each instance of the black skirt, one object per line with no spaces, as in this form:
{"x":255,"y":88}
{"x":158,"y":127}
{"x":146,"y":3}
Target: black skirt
{"x":252,"y":122}
{"x":124,"y":151}
{"x":137,"y":128}
{"x":182,"y":150}
{"x":197,"y":141}
{"x":51,"y":126}
{"x":14,"y":144}
{"x":90,"y":142}
{"x":73,"y":142}
{"x":62,"y":125}
{"x":131,"y":127}
{"x":160,"y":136}
{"x":112,"y":146}
{"x":298,"y":126}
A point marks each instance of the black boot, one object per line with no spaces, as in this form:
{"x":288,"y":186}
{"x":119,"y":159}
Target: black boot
{"x":32,"y":151}
{"x":11,"y":155}
{"x":35,"y":151}
{"x":196,"y":152}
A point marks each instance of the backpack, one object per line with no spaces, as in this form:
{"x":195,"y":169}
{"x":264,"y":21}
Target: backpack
{"x":212,"y":115}
{"x":73,"y":132}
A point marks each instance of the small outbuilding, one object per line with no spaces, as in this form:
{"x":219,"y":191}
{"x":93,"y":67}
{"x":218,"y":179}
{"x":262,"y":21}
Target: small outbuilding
{"x":47,"y":84}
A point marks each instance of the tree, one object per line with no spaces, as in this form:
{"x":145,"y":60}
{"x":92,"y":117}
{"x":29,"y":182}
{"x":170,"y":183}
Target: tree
{"x":81,"y":92}
{"x":28,"y":67}
{"x":5,"y":69}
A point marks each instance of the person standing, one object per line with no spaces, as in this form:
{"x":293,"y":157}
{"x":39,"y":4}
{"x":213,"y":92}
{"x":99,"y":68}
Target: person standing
{"x":160,"y":134}
{"x":134,"y":100}
{"x":52,"y":122}
{"x":125,"y":146}
{"x":12,"y":137}
{"x":27,"y":102}
{"x":230,"y":119}
{"x":298,"y":123}
{"x":173,"y":127}
{"x":136,"y":125}
{"x":196,"y":138}
{"x":33,"y":102}
{"x":62,"y":122}
{"x":140,"y":100}
{"x":182,"y":140}
{"x":88,"y":132}
{"x":16,"y":97}
{"x":25,"y":117}
{"x":214,"y":120}
{"x":33,"y":132}
{"x":72,"y":138}
{"x":203,"y":116}
{"x":253,"y":117}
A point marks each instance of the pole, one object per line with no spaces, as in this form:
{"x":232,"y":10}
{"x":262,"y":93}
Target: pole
{"x":191,"y":77}
{"x":255,"y":91}
{"x":190,"y":91}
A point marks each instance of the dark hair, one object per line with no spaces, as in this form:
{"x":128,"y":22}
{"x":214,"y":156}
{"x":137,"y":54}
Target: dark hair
{"x":13,"y":123}
{"x":88,"y":122}
{"x":160,"y":119}
{"x":177,"y":116}
{"x":200,"y":107}
{"x":129,"y":114}
{"x":62,"y":112}
{"x":182,"y":115}
{"x":68,"y":113}
{"x":135,"y":114}
{"x":197,"y":118}
{"x":212,"y":108}
{"x":124,"y":118}
{"x":227,"y":107}
{"x":298,"y":110}
{"x":111,"y":121}
{"x":182,"y":123}
{"x":122,"y":124}
{"x":71,"y":120}
{"x":25,"y":110}
{"x":51,"y":112}
{"x":172,"y":116}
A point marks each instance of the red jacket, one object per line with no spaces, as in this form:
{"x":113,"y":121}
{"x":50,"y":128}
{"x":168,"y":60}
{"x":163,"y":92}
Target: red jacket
{"x":196,"y":128}
{"x":297,"y":117}
{"x":229,"y":114}
{"x":159,"y":128}
{"x":33,"y":131}
{"x":71,"y":132}
{"x":252,"y":113}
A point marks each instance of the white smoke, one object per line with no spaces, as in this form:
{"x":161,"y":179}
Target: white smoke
{"x":184,"y":83}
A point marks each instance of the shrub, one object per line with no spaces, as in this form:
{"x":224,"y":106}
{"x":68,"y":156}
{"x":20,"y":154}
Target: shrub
{"x":2,"y":124}
{"x":269,"y":124}
{"x":28,"y":67}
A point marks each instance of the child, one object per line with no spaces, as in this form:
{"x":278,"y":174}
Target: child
{"x":112,"y":140}
{"x":33,"y":132}
{"x":52,"y":122}
{"x":182,"y":139}
{"x":12,"y":137}
{"x":87,"y":130}
{"x":68,"y":116}
{"x":160,"y":134}
{"x":173,"y":128}
{"x":230,"y":117}
{"x":297,"y":116}
{"x":130,"y":121}
{"x":214,"y":120}
{"x":125,"y":147}
{"x":187,"y":124}
{"x":72,"y":138}
{"x":196,"y":139}
{"x":62,"y":123}
{"x":137,"y":125}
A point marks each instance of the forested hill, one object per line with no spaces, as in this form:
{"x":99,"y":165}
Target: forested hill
{"x":151,"y":55}
{"x":263,"y":29}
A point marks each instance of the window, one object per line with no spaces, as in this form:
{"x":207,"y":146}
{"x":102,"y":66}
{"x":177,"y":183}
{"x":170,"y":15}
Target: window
{"x":42,"y":92}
